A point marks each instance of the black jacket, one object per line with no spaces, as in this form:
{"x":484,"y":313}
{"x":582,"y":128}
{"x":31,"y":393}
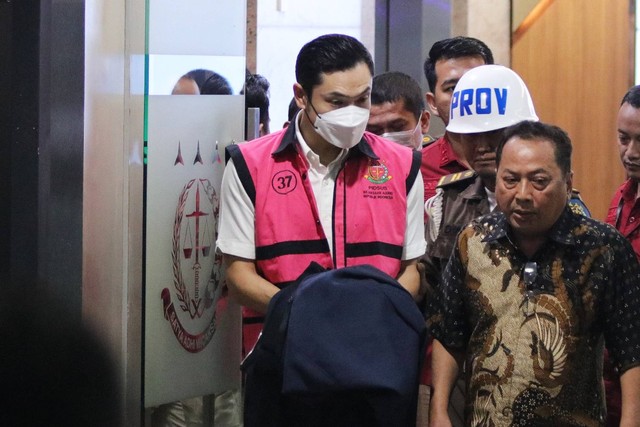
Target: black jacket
{"x":339,"y":348}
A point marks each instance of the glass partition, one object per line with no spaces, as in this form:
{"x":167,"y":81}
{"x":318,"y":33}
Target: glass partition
{"x":191,"y":329}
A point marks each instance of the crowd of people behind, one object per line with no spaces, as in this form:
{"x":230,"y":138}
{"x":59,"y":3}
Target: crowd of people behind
{"x":530,"y":308}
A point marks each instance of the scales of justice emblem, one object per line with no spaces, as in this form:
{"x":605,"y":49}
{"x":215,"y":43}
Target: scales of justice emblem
{"x":193,"y":304}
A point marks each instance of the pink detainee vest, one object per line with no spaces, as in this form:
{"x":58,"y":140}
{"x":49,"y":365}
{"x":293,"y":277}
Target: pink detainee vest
{"x":369,"y":211}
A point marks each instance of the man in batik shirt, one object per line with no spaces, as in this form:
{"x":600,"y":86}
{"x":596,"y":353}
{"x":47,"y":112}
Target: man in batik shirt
{"x":530,"y":295}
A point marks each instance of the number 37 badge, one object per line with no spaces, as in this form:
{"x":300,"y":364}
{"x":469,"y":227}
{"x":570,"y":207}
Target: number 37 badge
{"x":284,"y":182}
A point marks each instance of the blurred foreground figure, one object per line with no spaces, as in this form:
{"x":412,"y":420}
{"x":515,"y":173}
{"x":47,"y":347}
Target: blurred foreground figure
{"x":54,"y":372}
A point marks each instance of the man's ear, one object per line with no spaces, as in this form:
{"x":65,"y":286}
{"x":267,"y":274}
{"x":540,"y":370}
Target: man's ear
{"x":569,"y":184}
{"x":431,"y":102}
{"x":300,"y":96}
{"x":425,"y":120}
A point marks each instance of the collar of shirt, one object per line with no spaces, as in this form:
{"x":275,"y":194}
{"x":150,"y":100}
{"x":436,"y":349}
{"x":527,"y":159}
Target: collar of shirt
{"x":475,"y":190}
{"x":561,"y":232}
{"x":447,"y":155}
{"x":629,"y":191}
{"x":491,"y":199}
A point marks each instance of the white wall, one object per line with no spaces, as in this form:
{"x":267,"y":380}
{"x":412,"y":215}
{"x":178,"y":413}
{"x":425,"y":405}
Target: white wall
{"x":284,"y":26}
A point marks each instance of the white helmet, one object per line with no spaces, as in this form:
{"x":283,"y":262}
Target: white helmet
{"x":489,"y":97}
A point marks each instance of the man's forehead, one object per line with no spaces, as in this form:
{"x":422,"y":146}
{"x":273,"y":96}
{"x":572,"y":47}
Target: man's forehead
{"x":397,"y":106}
{"x":628,"y":114}
{"x":338,"y":80}
{"x":460,"y":59}
{"x":459,"y":63}
{"x":536,"y":149}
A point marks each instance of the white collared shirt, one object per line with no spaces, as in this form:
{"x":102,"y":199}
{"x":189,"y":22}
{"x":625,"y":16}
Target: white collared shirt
{"x":323,"y":182}
{"x":491,"y":199}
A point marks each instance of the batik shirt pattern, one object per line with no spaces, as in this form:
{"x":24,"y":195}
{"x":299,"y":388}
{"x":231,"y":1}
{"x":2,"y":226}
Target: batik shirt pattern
{"x":534,"y":340}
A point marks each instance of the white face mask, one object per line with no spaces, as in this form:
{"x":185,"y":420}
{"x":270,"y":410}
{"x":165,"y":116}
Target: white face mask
{"x":408,"y":138}
{"x":343,"y":127}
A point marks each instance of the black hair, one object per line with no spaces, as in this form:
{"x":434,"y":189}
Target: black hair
{"x":451,"y":48}
{"x":256,"y":95}
{"x":293,"y":109}
{"x":210,"y":82}
{"x":327,"y":54}
{"x":530,"y":130}
{"x":632,"y":97}
{"x":393,"y":86}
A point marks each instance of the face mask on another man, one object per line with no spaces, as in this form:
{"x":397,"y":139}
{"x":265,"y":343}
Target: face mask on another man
{"x":408,"y":138}
{"x":343,"y":127}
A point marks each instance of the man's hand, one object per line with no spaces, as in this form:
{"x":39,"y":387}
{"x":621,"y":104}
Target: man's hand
{"x":630,"y":385}
{"x":445,"y":365}
{"x":246,"y":286}
{"x":409,"y":278}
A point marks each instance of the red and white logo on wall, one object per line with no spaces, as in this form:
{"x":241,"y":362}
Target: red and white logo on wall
{"x":190,"y":306}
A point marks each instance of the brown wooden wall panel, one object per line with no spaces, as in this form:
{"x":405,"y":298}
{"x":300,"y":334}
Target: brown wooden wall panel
{"x":577,"y":60}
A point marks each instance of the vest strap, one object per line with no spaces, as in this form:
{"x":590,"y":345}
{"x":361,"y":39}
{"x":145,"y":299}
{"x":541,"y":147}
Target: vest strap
{"x":416,"y":160}
{"x":355,"y":250}
{"x":233,"y":152}
{"x":292,"y":247}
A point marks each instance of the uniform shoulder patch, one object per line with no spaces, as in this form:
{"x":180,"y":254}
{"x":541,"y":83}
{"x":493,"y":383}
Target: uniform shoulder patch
{"x":456,"y":178}
{"x":427,"y":140}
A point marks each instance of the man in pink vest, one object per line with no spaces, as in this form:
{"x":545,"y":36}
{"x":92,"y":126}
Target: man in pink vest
{"x":448,"y":60}
{"x":322,"y":190}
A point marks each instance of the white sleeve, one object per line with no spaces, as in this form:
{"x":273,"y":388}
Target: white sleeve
{"x":433,"y":209}
{"x":236,"y":225}
{"x":414,"y":243}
